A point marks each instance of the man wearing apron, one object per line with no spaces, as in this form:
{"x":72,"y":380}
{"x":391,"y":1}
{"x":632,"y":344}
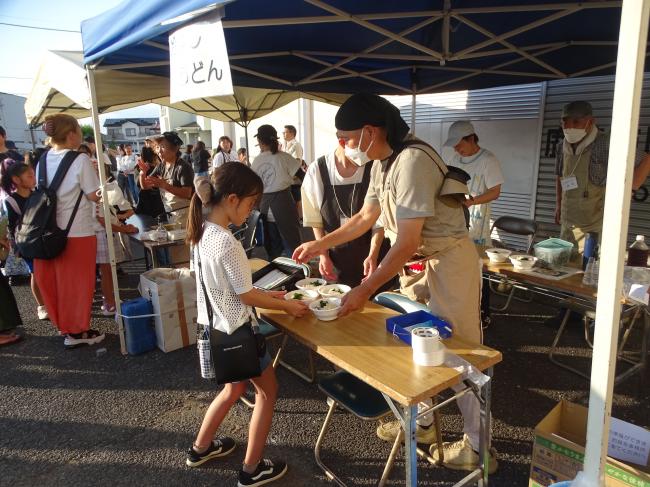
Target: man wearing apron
{"x":408,"y":190}
{"x":333,"y":190}
{"x":581,"y":171}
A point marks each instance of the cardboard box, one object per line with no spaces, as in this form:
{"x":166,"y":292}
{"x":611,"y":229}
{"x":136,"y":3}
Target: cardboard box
{"x":558,"y":451}
{"x":173,"y":295}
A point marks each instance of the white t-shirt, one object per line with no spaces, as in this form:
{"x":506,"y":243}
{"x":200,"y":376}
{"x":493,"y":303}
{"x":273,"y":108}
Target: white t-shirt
{"x":276,"y":170}
{"x":485,"y":172}
{"x":294,"y":149}
{"x":126,"y":163}
{"x":80,"y":177}
{"x":223,"y":157}
{"x":313,"y":193}
{"x":226,"y":274}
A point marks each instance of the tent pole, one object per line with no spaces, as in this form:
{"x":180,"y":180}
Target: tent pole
{"x":625,"y":119}
{"x":106,"y":210}
{"x":413,"y":96}
{"x":248,"y":152}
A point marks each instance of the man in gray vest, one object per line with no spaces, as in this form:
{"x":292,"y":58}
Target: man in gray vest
{"x":581,"y":172}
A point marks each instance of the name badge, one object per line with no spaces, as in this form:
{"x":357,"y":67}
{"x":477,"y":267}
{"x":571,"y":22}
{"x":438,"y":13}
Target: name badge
{"x":569,"y":183}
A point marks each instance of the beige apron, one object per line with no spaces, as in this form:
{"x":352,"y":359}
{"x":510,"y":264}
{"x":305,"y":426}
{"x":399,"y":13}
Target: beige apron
{"x":179,"y":208}
{"x":582,"y":207}
{"x":450,"y":285}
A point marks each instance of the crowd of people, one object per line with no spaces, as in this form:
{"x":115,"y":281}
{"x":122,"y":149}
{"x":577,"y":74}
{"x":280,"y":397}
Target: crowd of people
{"x":379,"y":199}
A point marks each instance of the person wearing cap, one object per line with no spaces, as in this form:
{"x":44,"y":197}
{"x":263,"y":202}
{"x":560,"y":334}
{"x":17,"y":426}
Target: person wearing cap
{"x":422,"y":213}
{"x":485,"y":174}
{"x":581,"y":172}
{"x":278,"y":208}
{"x":333,"y":190}
{"x":173,"y":177}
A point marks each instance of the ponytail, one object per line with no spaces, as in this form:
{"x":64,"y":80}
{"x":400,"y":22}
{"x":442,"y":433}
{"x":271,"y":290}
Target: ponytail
{"x":230,"y":178}
{"x":195,"y":221}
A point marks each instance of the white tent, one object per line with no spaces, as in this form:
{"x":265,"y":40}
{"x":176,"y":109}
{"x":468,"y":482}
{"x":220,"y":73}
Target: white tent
{"x":61,"y":86}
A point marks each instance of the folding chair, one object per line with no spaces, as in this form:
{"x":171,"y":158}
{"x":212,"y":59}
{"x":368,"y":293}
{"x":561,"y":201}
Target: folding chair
{"x":515,"y":226}
{"x":357,"y":397}
{"x":629,"y":317}
{"x":246,"y":233}
{"x":270,"y":332}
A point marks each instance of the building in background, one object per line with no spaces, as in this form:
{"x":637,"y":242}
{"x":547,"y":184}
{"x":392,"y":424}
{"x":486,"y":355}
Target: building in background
{"x":14,"y":121}
{"x":130,"y":131}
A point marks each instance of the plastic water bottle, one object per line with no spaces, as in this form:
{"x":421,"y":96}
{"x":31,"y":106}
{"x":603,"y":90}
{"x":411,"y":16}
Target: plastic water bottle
{"x":637,"y":254}
{"x":588,"y":279}
{"x":591,"y":240}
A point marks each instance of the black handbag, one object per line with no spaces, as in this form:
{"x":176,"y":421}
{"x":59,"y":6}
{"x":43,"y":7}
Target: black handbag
{"x":235,"y":357}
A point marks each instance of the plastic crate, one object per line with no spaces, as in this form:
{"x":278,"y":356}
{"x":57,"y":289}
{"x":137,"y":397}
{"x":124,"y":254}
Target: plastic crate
{"x":139,"y":329}
{"x":554,"y":251}
{"x":401,"y":326}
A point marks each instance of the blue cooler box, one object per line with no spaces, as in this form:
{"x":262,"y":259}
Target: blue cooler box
{"x":401,"y":326}
{"x":140,"y":332}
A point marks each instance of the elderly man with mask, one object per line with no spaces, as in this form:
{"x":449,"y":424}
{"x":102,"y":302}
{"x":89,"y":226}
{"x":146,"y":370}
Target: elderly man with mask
{"x":423,"y":218}
{"x":581,"y":171}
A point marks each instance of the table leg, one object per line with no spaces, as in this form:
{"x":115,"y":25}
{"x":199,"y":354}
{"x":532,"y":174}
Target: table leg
{"x":154,"y":258}
{"x":411,"y":454}
{"x":407,"y":417}
{"x":484,"y":443}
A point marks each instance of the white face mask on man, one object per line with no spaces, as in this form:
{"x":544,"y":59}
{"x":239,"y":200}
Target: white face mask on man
{"x":573,"y":136}
{"x":356,"y":155}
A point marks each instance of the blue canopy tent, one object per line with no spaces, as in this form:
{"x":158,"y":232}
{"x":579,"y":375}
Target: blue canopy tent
{"x":422,"y":46}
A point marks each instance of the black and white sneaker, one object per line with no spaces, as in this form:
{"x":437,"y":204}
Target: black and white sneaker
{"x":266,"y":472}
{"x":219,"y":448}
{"x":90,"y":337}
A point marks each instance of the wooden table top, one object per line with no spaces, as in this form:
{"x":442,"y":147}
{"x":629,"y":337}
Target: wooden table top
{"x":360,"y":344}
{"x":572,"y":284}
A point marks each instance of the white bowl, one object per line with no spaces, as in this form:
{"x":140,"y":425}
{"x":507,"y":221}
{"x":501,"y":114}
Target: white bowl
{"x":523,"y":262}
{"x":334,"y":290}
{"x":326,"y":314}
{"x":312,"y":283}
{"x":304,"y":295}
{"x":498,"y":255}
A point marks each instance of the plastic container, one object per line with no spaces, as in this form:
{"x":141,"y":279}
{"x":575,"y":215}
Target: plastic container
{"x":139,"y":329}
{"x":554,"y":251}
{"x":402,"y":325}
{"x":637,"y":254}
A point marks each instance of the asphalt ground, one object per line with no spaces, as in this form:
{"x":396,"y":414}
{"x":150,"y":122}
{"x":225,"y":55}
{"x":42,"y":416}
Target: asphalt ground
{"x":73,"y":417}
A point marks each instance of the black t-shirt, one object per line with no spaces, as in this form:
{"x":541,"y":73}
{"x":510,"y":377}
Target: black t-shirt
{"x":179,"y":175}
{"x":200,"y":161}
{"x":12,"y":154}
{"x":12,"y":216}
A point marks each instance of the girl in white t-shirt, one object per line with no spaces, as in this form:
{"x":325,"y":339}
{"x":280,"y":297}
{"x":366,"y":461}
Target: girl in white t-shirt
{"x":234,"y":191}
{"x":224,"y":152}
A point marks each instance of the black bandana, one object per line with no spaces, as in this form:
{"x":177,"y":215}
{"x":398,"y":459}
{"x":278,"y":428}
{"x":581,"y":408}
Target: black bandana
{"x":366,"y":109}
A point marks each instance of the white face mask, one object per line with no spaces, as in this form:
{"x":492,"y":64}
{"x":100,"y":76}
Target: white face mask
{"x":573,"y":136}
{"x":356,"y":155}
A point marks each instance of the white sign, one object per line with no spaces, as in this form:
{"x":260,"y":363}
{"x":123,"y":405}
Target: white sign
{"x":198,"y":62}
{"x":628,"y":442}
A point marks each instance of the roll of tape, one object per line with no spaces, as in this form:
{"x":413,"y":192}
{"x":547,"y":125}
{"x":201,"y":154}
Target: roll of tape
{"x":430,"y":359}
{"x":425,"y":340}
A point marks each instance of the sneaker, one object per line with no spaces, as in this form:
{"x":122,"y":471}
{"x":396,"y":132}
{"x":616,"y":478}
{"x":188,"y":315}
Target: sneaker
{"x":90,"y":337}
{"x":388,"y":432}
{"x":266,"y":472}
{"x":459,"y":455}
{"x":218,"y":448}
{"x":108,"y":310}
{"x":42,"y":313}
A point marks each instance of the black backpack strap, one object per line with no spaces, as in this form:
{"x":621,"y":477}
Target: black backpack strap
{"x":74,"y":212}
{"x":62,"y":170}
{"x":41,"y":166}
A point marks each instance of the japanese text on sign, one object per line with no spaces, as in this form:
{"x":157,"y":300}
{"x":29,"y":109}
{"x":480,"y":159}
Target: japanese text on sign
{"x":198,"y":62}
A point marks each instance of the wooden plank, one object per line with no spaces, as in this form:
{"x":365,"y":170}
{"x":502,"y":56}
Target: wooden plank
{"x":360,"y":344}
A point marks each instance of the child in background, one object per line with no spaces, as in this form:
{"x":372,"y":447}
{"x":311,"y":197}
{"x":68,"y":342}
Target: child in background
{"x":120,"y":210}
{"x":235,"y":190}
{"x":17,"y":181}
